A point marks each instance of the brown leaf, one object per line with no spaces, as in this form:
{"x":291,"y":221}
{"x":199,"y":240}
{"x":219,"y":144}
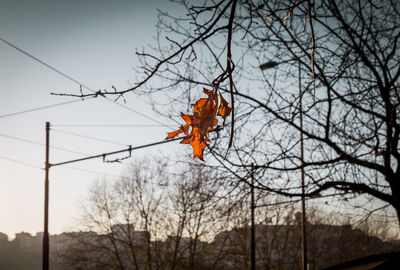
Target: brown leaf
{"x":201,"y":122}
{"x":224,"y":110}
{"x":175,"y":133}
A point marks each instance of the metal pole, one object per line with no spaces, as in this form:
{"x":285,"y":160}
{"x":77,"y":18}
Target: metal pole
{"x":45,"y":259}
{"x":253,"y":231}
{"x":303,"y":203}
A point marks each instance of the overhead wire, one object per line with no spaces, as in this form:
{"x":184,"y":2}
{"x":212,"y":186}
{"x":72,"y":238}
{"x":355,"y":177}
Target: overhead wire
{"x":105,"y":125}
{"x":78,"y":82}
{"x":41,"y":144}
{"x":39,"y":108}
{"x":89,"y":171}
{"x":89,"y":137}
{"x":114,"y":175}
{"x":77,"y":169}
{"x":21,"y":162}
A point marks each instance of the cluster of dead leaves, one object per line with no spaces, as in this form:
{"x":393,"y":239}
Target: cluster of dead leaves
{"x":204,"y":118}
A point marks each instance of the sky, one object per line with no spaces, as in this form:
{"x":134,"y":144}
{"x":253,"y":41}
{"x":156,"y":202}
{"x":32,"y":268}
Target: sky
{"x":94,"y":42}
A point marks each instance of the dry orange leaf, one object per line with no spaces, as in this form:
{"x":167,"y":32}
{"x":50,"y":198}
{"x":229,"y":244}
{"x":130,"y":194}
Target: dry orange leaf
{"x":224,"y":110}
{"x":204,"y":118}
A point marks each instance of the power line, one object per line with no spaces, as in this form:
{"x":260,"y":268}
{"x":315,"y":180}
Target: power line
{"x":134,"y":111}
{"x":41,"y":62}
{"x":78,"y":82}
{"x":90,"y":171}
{"x":39,"y":108}
{"x":114,"y":175}
{"x":105,"y":125}
{"x":89,"y":137}
{"x":127,"y":166}
{"x":41,"y":144}
{"x":20,"y":162}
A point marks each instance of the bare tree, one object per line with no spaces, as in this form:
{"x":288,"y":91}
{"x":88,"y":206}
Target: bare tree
{"x":123,"y":213}
{"x":147,"y":219}
{"x":331,"y":240}
{"x":191,"y":219}
{"x":328,"y":70}
{"x":194,"y":220}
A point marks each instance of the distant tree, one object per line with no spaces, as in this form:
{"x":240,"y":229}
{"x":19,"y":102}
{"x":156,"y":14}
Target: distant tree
{"x":124,"y":213}
{"x":278,"y":240}
{"x":147,"y":219}
{"x":193,"y":220}
{"x":332,"y":240}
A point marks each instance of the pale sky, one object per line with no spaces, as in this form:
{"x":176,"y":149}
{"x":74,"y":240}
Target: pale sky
{"x":94,"y":42}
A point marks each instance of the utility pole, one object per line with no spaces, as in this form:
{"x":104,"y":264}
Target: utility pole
{"x":303,"y":200}
{"x":253,"y":231}
{"x":45,"y":259}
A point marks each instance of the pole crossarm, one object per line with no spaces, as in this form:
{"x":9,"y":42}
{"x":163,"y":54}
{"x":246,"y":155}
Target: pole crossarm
{"x":129,"y":149}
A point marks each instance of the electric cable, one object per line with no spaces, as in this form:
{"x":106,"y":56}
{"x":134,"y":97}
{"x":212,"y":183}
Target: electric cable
{"x":105,"y":125}
{"x":77,"y":82}
{"x":41,"y":144}
{"x":21,"y":162}
{"x":89,"y":137}
{"x":114,"y":175}
{"x":39,"y":108}
{"x":90,"y":171}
